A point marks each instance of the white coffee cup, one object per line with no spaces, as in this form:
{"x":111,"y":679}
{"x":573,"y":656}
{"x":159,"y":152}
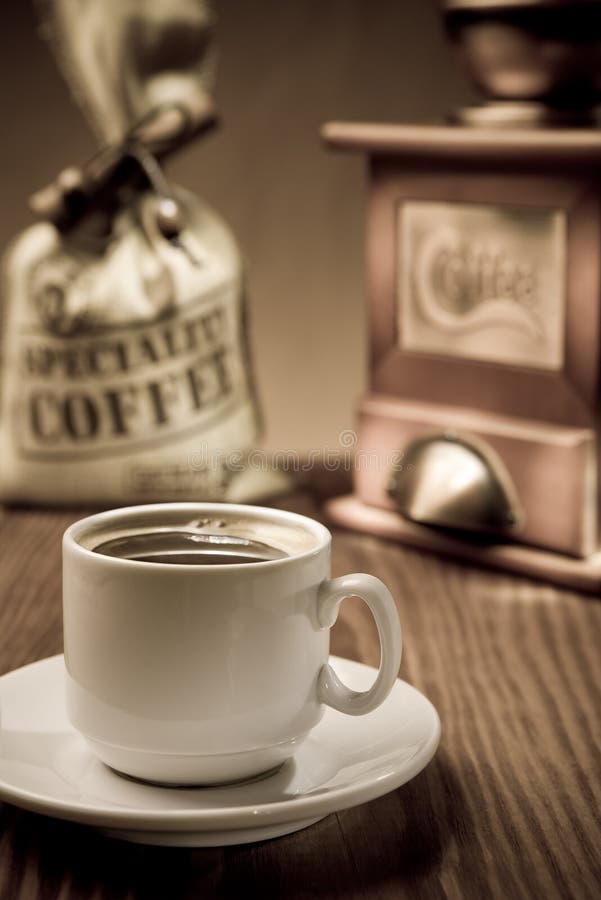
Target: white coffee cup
{"x":202,"y":674}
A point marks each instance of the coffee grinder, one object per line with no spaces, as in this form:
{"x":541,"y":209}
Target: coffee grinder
{"x":479,"y":435}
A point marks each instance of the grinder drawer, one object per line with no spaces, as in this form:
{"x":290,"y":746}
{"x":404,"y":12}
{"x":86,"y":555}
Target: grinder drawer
{"x":551,"y":469}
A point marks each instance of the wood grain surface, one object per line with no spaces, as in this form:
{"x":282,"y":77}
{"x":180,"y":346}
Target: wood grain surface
{"x":509,"y":808}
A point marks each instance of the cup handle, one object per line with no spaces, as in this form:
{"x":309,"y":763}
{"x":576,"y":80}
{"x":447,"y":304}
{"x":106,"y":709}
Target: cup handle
{"x":330,"y":688}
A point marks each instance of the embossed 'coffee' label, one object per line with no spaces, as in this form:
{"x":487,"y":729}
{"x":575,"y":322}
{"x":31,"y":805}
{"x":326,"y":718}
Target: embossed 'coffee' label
{"x":483,"y":282}
{"x":128,"y":388}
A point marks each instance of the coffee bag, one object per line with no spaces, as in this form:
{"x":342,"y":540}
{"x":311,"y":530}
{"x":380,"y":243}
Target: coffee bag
{"x":125,"y":372}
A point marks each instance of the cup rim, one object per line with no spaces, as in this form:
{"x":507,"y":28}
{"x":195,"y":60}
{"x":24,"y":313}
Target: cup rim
{"x":76,"y":529}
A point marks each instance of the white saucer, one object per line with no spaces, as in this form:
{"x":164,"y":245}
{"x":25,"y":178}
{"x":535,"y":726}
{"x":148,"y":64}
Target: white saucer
{"x":46,"y":767}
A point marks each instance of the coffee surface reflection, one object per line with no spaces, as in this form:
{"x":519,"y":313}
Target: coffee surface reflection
{"x":180,"y":547}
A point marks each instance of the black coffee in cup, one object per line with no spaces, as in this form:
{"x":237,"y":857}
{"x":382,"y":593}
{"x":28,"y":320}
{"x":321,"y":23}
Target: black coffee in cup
{"x":190,"y":548}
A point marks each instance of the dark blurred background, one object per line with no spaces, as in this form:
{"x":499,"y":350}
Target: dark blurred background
{"x":297,"y":209}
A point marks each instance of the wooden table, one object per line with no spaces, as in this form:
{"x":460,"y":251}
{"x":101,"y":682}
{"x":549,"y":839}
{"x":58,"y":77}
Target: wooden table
{"x":509,"y":808}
